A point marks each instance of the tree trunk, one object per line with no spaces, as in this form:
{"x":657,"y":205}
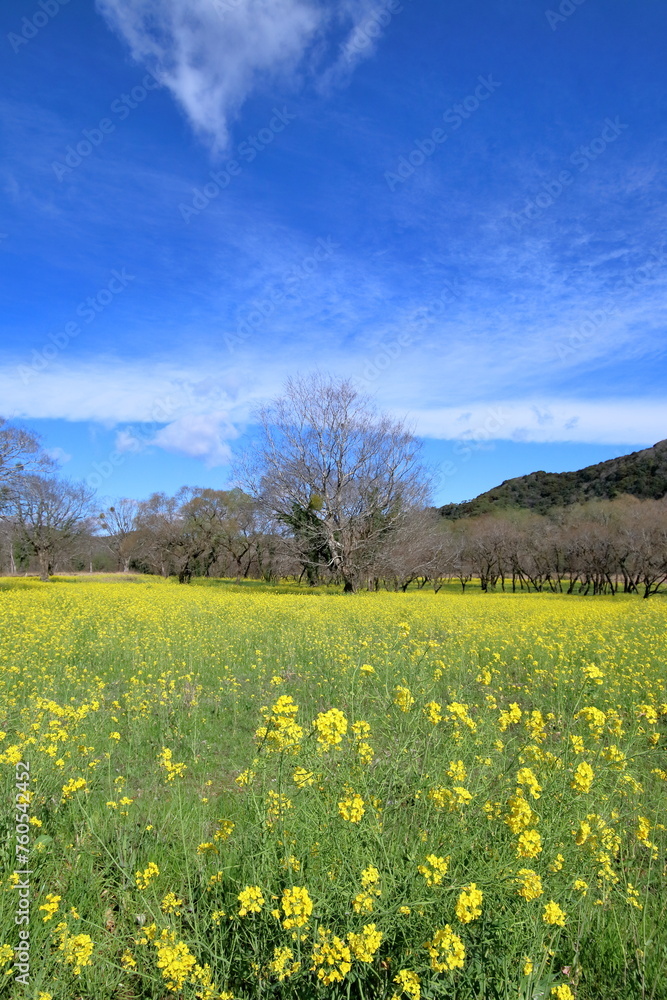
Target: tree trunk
{"x":44,"y":565}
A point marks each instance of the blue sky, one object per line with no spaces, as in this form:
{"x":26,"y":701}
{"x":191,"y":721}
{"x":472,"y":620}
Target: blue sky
{"x":458,"y":205}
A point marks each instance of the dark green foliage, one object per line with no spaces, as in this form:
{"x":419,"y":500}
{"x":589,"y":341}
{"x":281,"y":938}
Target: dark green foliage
{"x":642,"y":474}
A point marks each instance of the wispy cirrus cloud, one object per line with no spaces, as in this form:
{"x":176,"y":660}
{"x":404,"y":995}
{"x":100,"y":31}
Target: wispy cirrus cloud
{"x":213,"y":54}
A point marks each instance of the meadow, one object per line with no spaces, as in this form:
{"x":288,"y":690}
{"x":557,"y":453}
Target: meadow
{"x":252,"y":792}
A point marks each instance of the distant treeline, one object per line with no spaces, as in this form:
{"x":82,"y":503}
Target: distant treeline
{"x":594,"y":548}
{"x":334,"y":492}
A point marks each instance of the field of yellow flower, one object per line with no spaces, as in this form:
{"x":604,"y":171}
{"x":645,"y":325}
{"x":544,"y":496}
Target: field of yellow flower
{"x":257,"y":792}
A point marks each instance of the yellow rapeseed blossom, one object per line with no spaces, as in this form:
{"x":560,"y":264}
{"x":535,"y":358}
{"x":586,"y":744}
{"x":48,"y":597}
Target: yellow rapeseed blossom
{"x":446,"y":950}
{"x":331,"y":726}
{"x":71,"y":787}
{"x":174,"y":960}
{"x":520,"y":814}
{"x":403,"y":697}
{"x":245,"y":777}
{"x":458,"y":712}
{"x":562,"y":992}
{"x":280,"y":732}
{"x":283,"y":965}
{"x":583,"y":777}
{"x":207,"y":847}
{"x":469,"y":904}
{"x":509,"y":717}
{"x":529,"y":844}
{"x":251,"y":900}
{"x":530,"y":884}
{"x":276,"y":807}
{"x":171,"y":903}
{"x":433,"y":712}
{"x":351,"y":808}
{"x":369,"y":879}
{"x":51,"y":906}
{"x":77,"y":949}
{"x":331,"y":957}
{"x":297,"y":907}
{"x":225,"y":830}
{"x":409,"y":984}
{"x":434,"y":869}
{"x":363,"y":946}
{"x":174,"y":770}
{"x":363,"y":902}
{"x":144,"y":878}
{"x":526,"y":777}
{"x":473,"y":761}
{"x":553,"y":914}
{"x":457,"y":770}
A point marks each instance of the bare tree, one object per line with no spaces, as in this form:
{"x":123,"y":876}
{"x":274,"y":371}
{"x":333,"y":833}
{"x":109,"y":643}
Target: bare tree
{"x":47,"y":513}
{"x":119,"y":521}
{"x":20,"y":455}
{"x":338,"y":474}
{"x":419,"y":550}
{"x":160,"y":540}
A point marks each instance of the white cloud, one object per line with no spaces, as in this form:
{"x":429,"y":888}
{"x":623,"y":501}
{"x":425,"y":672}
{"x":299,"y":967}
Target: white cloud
{"x":600,"y":421}
{"x":59,"y":455}
{"x":198,"y":435}
{"x":212,"y":54}
{"x":198,"y":413}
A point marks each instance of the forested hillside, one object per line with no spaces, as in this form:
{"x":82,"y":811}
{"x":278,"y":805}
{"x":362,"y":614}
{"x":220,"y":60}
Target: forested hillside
{"x":642,"y":474}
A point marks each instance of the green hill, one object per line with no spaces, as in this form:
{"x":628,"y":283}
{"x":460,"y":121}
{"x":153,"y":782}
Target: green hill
{"x":642,"y":474}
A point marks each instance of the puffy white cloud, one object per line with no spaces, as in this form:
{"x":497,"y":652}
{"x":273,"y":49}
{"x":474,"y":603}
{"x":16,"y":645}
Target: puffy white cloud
{"x":212,"y":54}
{"x":59,"y":455}
{"x":198,"y":435}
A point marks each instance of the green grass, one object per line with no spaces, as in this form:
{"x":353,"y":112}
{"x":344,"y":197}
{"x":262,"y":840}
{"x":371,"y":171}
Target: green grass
{"x":196,"y":670}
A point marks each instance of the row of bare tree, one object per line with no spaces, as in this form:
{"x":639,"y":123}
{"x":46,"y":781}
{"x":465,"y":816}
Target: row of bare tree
{"x":594,"y":548}
{"x":331,"y":491}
